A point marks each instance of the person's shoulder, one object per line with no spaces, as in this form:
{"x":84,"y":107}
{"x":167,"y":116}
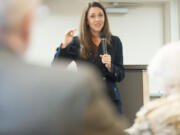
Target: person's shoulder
{"x":86,"y":74}
{"x":114,"y":37}
{"x":115,"y":41}
{"x":57,"y":79}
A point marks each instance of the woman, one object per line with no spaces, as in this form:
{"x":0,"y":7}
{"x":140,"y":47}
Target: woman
{"x":88,"y":47}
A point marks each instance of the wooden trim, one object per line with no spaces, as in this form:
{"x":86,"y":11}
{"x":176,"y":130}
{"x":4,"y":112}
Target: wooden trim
{"x":136,"y":67}
{"x":145,"y":87}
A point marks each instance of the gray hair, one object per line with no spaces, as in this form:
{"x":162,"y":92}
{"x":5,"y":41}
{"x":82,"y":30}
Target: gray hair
{"x":165,"y":67}
{"x":13,"y":11}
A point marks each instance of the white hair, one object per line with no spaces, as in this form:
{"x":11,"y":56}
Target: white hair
{"x":165,"y":67}
{"x":12,"y":11}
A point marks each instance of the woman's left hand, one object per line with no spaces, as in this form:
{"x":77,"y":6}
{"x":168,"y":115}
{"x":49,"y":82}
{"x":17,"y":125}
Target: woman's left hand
{"x":106,"y":59}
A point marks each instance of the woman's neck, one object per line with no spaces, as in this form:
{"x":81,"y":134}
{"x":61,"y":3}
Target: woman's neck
{"x":96,"y":38}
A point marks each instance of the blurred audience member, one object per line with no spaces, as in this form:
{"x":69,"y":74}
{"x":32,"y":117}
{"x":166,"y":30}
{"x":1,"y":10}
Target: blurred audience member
{"x":36,"y":100}
{"x":162,"y":116}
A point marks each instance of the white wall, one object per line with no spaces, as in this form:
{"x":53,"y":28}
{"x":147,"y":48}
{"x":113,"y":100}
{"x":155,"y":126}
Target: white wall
{"x":171,"y":32}
{"x":49,"y":31}
{"x":141,"y":31}
{"x":179,"y":17}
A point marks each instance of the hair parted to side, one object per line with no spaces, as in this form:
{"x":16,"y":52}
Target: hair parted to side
{"x":87,"y":45}
{"x":13,"y":11}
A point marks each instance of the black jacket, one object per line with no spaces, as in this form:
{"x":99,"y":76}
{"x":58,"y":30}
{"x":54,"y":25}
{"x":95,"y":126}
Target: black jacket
{"x":116,"y":52}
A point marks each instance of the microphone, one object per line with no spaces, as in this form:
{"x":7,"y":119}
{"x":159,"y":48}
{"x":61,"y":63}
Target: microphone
{"x":104,"y":43}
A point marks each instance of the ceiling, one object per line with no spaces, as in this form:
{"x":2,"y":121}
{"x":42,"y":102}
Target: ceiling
{"x":130,"y":3}
{"x":134,"y":1}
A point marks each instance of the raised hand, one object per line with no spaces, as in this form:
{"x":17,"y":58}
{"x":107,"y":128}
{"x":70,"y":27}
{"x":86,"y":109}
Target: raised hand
{"x":68,"y":38}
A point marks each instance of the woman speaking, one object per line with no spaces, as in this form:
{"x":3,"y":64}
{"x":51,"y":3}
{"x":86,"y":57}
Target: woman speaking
{"x":88,"y":46}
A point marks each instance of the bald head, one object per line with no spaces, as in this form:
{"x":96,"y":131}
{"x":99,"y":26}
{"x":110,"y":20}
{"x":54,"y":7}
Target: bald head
{"x":15,"y":22}
{"x":13,"y":11}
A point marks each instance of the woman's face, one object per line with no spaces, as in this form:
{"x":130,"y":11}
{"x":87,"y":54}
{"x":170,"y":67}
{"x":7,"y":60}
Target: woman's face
{"x":96,"y":19}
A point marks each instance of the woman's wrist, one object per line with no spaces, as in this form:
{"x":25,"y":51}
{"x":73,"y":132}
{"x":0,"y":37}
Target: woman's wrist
{"x":63,"y":45}
{"x":108,"y":66}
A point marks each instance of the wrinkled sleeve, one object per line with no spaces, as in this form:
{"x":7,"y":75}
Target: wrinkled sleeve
{"x":117,"y":69}
{"x":71,"y":52}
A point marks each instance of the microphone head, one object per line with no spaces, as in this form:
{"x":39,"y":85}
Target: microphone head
{"x":102,"y":35}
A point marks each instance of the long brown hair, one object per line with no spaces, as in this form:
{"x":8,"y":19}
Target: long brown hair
{"x":85,"y":36}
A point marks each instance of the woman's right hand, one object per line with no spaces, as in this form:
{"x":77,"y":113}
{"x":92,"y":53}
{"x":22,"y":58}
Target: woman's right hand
{"x":68,"y":38}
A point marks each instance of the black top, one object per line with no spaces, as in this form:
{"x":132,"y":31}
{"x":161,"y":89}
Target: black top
{"x":115,"y":50}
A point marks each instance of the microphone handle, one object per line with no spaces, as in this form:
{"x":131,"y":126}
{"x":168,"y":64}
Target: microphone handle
{"x":104,"y":45}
